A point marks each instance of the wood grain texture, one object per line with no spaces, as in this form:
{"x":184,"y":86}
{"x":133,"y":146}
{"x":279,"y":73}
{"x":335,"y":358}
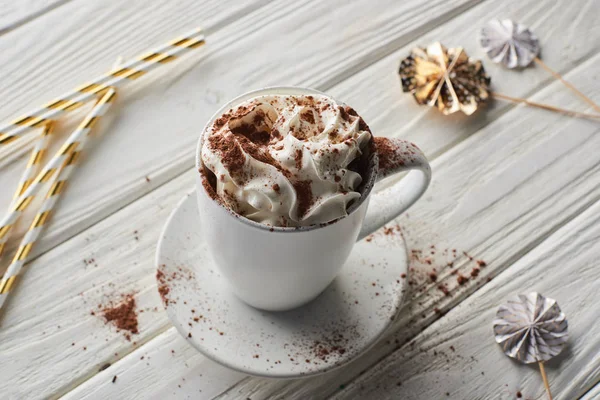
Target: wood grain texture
{"x":65,"y":344}
{"x":13,"y":14}
{"x":315,"y":42}
{"x":533,"y":176}
{"x":41,"y":386}
{"x":592,"y":394}
{"x":501,"y":183}
{"x":457,"y":356}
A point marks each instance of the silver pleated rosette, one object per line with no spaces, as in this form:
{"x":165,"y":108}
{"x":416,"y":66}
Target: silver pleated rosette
{"x":531,"y":328}
{"x":509,"y":43}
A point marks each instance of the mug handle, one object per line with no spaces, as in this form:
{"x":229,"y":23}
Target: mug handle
{"x":385,"y":205}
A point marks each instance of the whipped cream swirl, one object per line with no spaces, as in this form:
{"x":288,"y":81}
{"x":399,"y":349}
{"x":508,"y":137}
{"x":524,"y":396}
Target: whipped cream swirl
{"x":286,"y":160}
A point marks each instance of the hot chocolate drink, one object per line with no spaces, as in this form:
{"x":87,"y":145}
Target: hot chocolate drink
{"x":285,"y":160}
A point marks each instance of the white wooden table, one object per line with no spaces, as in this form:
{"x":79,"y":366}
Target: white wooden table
{"x":516,"y":187}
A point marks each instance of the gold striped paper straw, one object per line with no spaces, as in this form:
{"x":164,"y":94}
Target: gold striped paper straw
{"x":71,"y":144}
{"x":67,"y":157}
{"x":37,"y":154}
{"x":35,"y":159}
{"x":129,"y":71}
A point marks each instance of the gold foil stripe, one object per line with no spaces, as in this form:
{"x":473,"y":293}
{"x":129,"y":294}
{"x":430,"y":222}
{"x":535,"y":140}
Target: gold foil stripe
{"x":93,"y":88}
{"x":180,"y":42}
{"x":56,"y":189}
{"x":158,"y":58}
{"x":6,"y":139}
{"x":40,"y":219}
{"x":110,"y":98}
{"x":37,"y":158}
{"x":22,"y":205}
{"x":63,"y":104}
{"x":128,"y":73}
{"x":49,"y":128}
{"x":23,"y":252}
{"x":2,"y":248}
{"x":73,"y":157}
{"x":47,"y":175}
{"x":196,"y":43}
{"x":23,"y":187}
{"x":4,"y":230}
{"x":30,"y":121}
{"x":190,"y":43}
{"x":6,"y":284}
{"x":90,"y":123}
{"x":69,"y":148}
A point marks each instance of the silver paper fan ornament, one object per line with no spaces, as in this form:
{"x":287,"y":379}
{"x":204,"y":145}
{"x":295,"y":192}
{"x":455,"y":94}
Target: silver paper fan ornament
{"x":509,"y":43}
{"x":531,"y":328}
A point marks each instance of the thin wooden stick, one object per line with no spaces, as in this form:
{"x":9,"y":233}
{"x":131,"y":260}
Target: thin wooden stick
{"x":546,"y":106}
{"x":567,"y":84}
{"x":545,"y":379}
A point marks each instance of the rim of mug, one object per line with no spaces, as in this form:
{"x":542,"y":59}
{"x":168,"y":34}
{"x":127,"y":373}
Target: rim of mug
{"x":372,"y":168}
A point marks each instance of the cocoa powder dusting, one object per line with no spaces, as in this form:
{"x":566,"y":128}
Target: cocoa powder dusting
{"x":258,"y":152}
{"x":298,"y":159}
{"x":307,"y":116}
{"x":388,"y":154}
{"x":343,"y":113}
{"x":260,"y":137}
{"x":210,"y":188}
{"x":163,"y":289}
{"x":123,"y":315}
{"x":304,"y":195}
{"x":231,"y":153}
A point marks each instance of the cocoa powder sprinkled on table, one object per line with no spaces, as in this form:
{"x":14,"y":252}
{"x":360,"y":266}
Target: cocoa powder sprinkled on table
{"x":123,"y":315}
{"x":444,"y":290}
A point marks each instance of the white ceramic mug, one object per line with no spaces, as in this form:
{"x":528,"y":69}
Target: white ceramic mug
{"x":280,"y":268}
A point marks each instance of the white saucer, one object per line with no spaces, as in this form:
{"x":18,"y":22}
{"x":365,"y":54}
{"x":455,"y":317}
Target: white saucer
{"x":343,"y":322}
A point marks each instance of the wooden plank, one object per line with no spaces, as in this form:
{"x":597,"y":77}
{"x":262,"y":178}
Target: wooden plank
{"x":50,"y":341}
{"x":159,"y":120}
{"x":533,"y":170}
{"x":457,"y":356}
{"x":190,"y":374}
{"x":593,"y":394}
{"x":13,"y":14}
